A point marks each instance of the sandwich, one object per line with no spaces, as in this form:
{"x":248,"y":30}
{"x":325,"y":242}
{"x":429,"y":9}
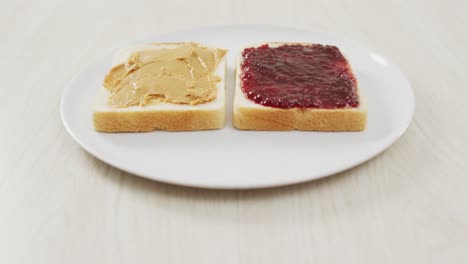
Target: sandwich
{"x":297,"y":86}
{"x":163,"y":86}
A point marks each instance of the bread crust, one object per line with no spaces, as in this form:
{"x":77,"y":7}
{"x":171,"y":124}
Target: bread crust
{"x":172,"y":120}
{"x":269,"y":118}
{"x":309,"y":119}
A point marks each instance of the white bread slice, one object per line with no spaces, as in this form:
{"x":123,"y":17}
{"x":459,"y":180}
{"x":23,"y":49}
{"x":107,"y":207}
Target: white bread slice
{"x":251,"y":116}
{"x":162,"y":116}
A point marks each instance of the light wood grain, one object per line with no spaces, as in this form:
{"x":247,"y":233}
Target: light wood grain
{"x":60,"y":205}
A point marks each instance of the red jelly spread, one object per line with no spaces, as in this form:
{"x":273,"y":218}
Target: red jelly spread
{"x":301,"y":76}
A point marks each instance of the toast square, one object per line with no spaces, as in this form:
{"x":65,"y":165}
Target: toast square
{"x":249,"y":115}
{"x":161,"y":116}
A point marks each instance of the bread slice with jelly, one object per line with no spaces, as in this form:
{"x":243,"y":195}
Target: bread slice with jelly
{"x":297,"y":86}
{"x":154,"y":108}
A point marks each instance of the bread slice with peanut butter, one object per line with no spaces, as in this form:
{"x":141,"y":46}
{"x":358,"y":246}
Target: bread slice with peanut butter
{"x":164,"y":86}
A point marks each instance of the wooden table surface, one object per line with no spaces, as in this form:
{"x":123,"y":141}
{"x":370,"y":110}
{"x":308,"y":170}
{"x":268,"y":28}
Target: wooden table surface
{"x":59,"y":204}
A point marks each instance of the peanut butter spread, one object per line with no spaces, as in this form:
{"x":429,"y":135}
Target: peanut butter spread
{"x":180,"y":75}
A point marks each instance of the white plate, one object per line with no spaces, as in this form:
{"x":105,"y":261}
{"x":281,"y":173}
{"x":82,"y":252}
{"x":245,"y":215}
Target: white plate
{"x":229,"y":158}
